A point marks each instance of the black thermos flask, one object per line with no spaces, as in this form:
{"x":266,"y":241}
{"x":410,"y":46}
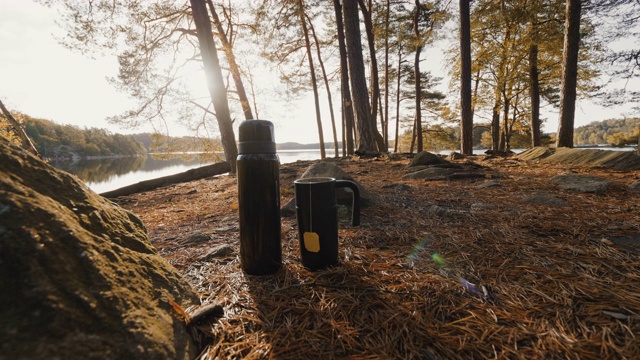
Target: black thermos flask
{"x":258,"y":169}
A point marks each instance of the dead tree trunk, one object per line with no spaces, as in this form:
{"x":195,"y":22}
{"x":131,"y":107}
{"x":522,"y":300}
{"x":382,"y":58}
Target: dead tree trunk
{"x":189,"y":175}
{"x":17,"y":128}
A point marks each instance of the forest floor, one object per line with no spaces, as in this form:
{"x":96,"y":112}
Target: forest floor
{"x":440,"y":269}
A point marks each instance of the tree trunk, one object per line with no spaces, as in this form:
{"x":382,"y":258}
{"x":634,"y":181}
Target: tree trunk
{"x":233,"y":65}
{"x":534,"y":82}
{"x":475,"y":93}
{"x":314,"y":83}
{"x":367,"y":141}
{"x":534,"y":90}
{"x":215,"y":82}
{"x":395,"y":146}
{"x":466,"y":114}
{"x":375,"y":81}
{"x":505,"y":124}
{"x":326,"y":85}
{"x":416,"y":73}
{"x":495,"y":125}
{"x":347,"y":108}
{"x":17,"y":128}
{"x":569,"y":74}
{"x":386,"y":76}
{"x":384,"y":136}
{"x":189,"y":175}
{"x":413,"y":136}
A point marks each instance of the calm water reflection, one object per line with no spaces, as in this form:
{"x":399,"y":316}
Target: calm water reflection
{"x":109,"y":174}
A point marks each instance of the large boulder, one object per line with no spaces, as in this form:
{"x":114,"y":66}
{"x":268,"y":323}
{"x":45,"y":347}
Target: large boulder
{"x":535,"y":153}
{"x":426,"y":158}
{"x":431,"y":173}
{"x":582,"y":183}
{"x":79,"y":277}
{"x":619,"y":160}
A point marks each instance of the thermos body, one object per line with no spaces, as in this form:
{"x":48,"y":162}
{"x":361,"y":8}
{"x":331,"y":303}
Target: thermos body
{"x":258,"y":171}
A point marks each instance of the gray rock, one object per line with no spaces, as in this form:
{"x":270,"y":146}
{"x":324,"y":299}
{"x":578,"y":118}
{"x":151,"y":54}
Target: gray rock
{"x":535,"y":153}
{"x":440,"y":211}
{"x":432,"y":173}
{"x":628,"y":240}
{"x":490,"y":183}
{"x":328,"y":169}
{"x":344,"y":213}
{"x":226,"y":229}
{"x":582,"y":183}
{"x":545,"y":199}
{"x":197,"y":237}
{"x":398,"y":186}
{"x":466,"y":176}
{"x":455,"y":156}
{"x":220,"y":251}
{"x":426,"y":158}
{"x":289,"y":209}
{"x":480,"y":207}
{"x":621,"y":160}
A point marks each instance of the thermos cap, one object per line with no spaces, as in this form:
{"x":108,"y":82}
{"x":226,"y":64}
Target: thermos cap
{"x":256,"y":137}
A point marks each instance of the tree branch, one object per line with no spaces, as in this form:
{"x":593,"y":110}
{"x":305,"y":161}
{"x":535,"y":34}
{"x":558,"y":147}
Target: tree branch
{"x":17,"y":128}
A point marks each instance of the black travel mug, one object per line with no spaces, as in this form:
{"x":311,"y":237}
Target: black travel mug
{"x":258,"y":169}
{"x":317,"y":215}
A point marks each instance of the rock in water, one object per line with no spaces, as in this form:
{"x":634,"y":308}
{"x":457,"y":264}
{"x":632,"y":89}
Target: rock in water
{"x":79,"y":277}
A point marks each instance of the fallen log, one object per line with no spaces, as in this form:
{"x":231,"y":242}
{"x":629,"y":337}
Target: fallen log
{"x":189,"y":175}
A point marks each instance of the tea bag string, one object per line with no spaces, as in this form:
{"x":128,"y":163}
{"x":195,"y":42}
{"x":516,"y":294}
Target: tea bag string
{"x":310,"y":209}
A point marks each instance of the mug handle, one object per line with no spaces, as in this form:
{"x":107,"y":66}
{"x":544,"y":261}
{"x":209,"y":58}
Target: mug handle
{"x":355,"y":208}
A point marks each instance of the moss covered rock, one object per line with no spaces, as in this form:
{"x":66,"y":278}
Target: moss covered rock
{"x":79,"y":277}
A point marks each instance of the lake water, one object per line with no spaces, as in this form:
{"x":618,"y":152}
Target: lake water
{"x":103,"y":175}
{"x":109,"y":174}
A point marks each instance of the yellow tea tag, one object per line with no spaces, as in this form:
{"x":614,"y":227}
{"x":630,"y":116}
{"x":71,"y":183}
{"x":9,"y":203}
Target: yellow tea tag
{"x":311,"y":242}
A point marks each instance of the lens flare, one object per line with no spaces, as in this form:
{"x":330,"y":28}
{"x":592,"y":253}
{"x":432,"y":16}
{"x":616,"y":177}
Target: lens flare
{"x":416,"y":250}
{"x":438,"y":259}
{"x":471,"y":287}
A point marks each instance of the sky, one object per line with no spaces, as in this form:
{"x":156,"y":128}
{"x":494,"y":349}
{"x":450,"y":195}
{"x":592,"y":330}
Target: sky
{"x":43,"y":79}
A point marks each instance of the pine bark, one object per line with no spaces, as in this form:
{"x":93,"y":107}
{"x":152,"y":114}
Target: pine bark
{"x":345,"y":89}
{"x":385,"y":123}
{"x":534,"y":82}
{"x":534,"y":92}
{"x":375,"y":80}
{"x":569,"y":74}
{"x":366,"y":137}
{"x":395,"y":146}
{"x":466,"y":114}
{"x":495,"y":125}
{"x":215,"y":82}
{"x":416,"y":73}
